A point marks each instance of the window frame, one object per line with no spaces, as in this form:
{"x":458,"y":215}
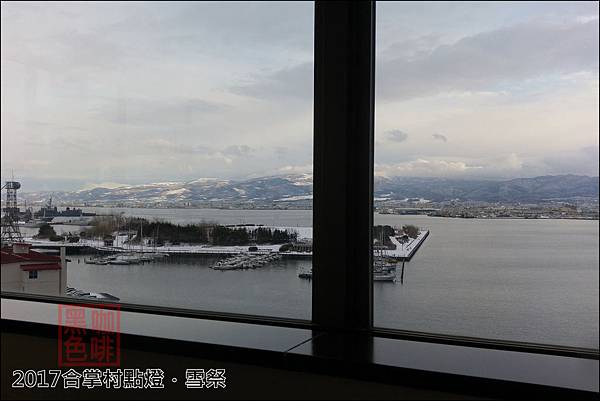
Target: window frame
{"x":342,"y":292}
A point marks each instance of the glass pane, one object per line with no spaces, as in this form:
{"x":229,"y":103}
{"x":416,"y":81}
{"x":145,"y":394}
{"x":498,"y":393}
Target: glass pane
{"x":167,"y":146}
{"x":486,"y":187}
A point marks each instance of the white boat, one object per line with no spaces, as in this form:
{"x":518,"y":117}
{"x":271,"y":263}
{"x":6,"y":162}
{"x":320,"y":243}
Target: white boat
{"x":384,"y":277}
{"x":306,"y":274}
{"x":119,"y":262}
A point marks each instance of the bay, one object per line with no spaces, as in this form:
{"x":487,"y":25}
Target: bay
{"x":522,"y":280}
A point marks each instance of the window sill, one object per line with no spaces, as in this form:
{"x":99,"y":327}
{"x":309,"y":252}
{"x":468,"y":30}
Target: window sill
{"x":413,"y":363}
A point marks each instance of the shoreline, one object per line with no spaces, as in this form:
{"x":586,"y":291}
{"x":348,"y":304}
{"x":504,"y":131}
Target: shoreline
{"x":120,"y":209}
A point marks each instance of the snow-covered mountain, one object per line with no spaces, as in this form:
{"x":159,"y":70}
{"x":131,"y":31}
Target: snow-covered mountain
{"x":263,"y":190}
{"x":297,"y":189}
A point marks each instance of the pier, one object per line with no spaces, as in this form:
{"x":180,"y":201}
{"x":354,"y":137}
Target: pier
{"x":241,"y":262}
{"x":405,"y":252}
{"x":97,"y":246}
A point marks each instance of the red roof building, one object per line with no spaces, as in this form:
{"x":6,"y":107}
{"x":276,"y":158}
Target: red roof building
{"x":25,"y":270}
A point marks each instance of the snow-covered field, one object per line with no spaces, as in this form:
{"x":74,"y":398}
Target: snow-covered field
{"x":199,"y":249}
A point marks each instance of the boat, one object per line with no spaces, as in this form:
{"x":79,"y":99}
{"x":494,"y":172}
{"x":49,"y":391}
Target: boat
{"x":94,"y":261}
{"x":384,"y":269}
{"x":31,"y":223}
{"x":384,"y":277}
{"x":119,"y":262}
{"x":245,"y":261}
{"x":146,"y":257}
{"x":103,"y":296}
{"x":48,"y":212}
{"x":306,"y":274}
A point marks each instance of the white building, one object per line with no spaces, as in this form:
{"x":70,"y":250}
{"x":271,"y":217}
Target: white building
{"x":24,"y":270}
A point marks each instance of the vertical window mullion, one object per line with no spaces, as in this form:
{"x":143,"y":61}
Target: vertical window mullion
{"x":343,"y":165}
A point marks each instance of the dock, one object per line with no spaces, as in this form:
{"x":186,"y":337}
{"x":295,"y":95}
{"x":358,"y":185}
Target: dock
{"x":96,"y":246}
{"x":405,"y":252}
{"x":249,"y":261}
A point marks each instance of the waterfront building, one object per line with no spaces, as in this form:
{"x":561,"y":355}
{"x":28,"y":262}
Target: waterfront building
{"x":25,"y":270}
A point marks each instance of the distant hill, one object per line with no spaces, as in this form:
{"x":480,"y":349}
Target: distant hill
{"x":534,"y":189}
{"x":297,"y":188}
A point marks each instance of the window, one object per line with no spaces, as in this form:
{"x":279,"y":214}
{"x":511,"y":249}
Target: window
{"x":167,"y":146}
{"x":173,"y":146}
{"x":33,"y":274}
{"x":486,"y":170}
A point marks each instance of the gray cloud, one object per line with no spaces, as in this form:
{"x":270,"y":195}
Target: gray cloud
{"x":163,"y":91}
{"x":237,"y":150}
{"x":169,"y":147}
{"x":440,"y":137}
{"x":220,"y":26}
{"x":144,"y":112}
{"x":396,"y":135}
{"x":410,"y":49}
{"x":294,"y":82}
{"x":581,"y":161}
{"x":477,"y":62}
{"x":491,"y":58}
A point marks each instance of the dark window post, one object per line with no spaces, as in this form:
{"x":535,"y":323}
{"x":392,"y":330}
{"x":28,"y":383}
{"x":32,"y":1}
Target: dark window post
{"x":343,"y":164}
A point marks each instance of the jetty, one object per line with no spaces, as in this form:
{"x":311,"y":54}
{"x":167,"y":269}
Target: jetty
{"x":402,"y":252}
{"x":97,"y":246}
{"x":248,"y":261}
{"x":405,"y":252}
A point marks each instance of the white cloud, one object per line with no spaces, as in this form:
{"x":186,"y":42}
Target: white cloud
{"x":584,"y":19}
{"x":302,"y":169}
{"x":425,"y":168}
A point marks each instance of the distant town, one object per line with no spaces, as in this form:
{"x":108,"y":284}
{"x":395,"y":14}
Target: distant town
{"x":583,"y":209}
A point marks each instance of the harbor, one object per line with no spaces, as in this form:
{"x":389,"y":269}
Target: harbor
{"x":126,"y":258}
{"x":445,"y":281}
{"x":112,"y":242}
{"x":403,"y":252}
{"x":118,"y":240}
{"x":401,"y":249}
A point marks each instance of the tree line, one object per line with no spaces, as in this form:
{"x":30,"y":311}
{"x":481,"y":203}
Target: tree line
{"x":383,"y":233}
{"x":160,"y":232}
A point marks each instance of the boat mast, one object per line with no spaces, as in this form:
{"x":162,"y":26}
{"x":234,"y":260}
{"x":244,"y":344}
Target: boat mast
{"x":156,"y":238}
{"x":141,"y":236}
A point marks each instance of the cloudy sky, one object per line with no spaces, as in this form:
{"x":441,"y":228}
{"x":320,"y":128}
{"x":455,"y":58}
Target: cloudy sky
{"x":133,"y":92}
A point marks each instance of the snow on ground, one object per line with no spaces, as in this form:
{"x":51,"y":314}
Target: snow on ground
{"x":179,"y":191}
{"x":184,"y":248}
{"x":404,"y":250}
{"x":295,"y":198}
{"x":303,"y":180}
